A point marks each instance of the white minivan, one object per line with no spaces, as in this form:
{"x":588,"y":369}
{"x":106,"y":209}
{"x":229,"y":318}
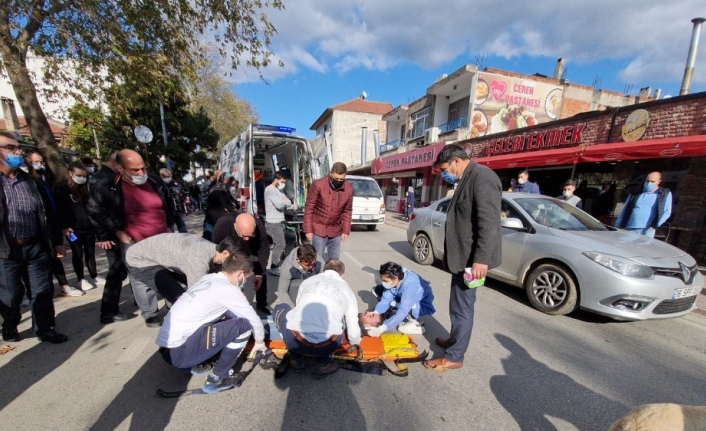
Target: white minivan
{"x":368,"y":202}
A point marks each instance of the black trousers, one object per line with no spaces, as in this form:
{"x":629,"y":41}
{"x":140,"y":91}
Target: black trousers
{"x":117,"y":273}
{"x":84,"y":247}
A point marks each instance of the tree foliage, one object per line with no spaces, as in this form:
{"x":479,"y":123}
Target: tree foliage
{"x":89,"y":44}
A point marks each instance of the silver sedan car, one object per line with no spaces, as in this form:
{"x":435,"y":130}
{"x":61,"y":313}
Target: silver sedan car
{"x":565,"y":260}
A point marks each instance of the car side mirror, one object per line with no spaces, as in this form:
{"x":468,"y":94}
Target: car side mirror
{"x":512,"y":223}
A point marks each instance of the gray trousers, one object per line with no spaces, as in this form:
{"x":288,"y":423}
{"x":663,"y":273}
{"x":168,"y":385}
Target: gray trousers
{"x":461,"y":308}
{"x":145,"y":296}
{"x":276,"y":231}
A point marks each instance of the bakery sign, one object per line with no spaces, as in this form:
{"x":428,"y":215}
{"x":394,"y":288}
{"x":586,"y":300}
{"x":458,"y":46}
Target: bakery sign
{"x":564,"y":136}
{"x":635,"y":125}
{"x":408,"y":161}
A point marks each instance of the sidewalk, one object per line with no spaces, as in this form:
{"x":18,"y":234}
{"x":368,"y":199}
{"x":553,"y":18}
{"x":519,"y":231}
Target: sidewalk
{"x":396,"y":220}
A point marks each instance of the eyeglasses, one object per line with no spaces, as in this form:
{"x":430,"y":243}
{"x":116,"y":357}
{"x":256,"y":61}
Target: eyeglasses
{"x":252,"y":235}
{"x":11,"y":147}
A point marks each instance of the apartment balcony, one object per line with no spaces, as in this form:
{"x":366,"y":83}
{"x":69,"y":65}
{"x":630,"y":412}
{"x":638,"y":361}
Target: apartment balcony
{"x":458,"y":123}
{"x":392,"y":145}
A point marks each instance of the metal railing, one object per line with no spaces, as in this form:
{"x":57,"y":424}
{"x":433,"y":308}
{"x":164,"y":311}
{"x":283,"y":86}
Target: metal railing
{"x":389,"y":146}
{"x":453,"y":125}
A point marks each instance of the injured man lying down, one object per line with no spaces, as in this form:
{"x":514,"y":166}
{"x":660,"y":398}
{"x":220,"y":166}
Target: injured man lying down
{"x":403,"y":297}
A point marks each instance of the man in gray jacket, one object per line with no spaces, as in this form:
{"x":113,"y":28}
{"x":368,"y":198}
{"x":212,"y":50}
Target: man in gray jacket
{"x":275,"y":203}
{"x":171,"y":261}
{"x":472,"y":245}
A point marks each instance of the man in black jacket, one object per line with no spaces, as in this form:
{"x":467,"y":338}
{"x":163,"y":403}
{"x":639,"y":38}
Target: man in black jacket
{"x":27,"y":239}
{"x":472,"y":245}
{"x":251,"y":230}
{"x":127,"y":208}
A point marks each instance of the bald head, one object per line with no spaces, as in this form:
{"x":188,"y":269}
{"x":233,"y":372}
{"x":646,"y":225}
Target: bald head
{"x":654,"y":178}
{"x":131,"y":166}
{"x":245,"y":226}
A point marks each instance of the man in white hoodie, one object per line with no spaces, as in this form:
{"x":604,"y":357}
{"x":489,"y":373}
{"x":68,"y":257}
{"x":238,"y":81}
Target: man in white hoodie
{"x":326,"y":308}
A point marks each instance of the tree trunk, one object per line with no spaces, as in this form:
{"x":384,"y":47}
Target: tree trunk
{"x":26,"y":92}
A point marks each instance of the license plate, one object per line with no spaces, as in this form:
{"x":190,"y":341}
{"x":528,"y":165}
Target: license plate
{"x":685,"y":292}
{"x":366,"y":217}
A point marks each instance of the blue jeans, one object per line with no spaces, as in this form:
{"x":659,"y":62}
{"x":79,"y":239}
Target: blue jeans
{"x":33,"y":259}
{"x":648,"y":231}
{"x":180,"y":223}
{"x":334,"y":246}
{"x":296,"y":347}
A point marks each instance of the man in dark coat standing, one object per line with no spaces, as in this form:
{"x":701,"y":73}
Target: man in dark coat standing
{"x":472,"y":245}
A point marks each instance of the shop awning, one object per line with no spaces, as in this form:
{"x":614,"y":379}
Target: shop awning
{"x":685,"y":146}
{"x":556,"y":157}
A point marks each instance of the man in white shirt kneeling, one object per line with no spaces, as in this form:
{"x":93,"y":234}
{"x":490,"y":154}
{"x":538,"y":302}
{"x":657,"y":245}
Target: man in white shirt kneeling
{"x":326,"y":308}
{"x":212,"y":316}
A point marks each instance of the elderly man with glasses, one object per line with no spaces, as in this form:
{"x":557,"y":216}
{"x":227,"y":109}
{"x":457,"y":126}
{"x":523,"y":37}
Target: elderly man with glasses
{"x":251,"y":230}
{"x":27,"y":239}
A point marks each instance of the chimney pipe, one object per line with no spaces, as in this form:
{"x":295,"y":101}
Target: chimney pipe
{"x":658,"y":93}
{"x":559,"y":69}
{"x":691,"y":58}
{"x":363,"y":146}
{"x":376,"y":142}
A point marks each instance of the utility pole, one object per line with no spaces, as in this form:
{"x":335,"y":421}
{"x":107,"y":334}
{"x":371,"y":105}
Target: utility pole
{"x":164,"y":133}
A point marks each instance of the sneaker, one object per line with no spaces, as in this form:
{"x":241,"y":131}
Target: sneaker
{"x":298,"y":365}
{"x":153,"y":322}
{"x":11,"y":335}
{"x":99,"y":281}
{"x":71,"y":291}
{"x":411,"y":327}
{"x":85,"y":285}
{"x":274,"y":271}
{"x":51,"y":336}
{"x":325,"y":370}
{"x":215,"y":384}
{"x":201,"y":369}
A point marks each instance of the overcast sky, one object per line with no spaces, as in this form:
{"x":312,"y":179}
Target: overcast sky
{"x":395,"y":49}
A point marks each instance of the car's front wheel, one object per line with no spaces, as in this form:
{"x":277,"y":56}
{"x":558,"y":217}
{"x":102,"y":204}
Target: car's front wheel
{"x":372,"y":227}
{"x":552,"y":290}
{"x":423,"y":253}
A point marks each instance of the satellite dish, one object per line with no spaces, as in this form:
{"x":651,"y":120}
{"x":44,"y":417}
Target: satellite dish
{"x":666,"y":96}
{"x":364,"y":95}
{"x":143,"y":134}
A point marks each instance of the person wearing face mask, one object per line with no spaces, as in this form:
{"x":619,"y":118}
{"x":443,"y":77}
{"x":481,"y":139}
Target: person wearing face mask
{"x":328,"y":210}
{"x":29,"y":236}
{"x":72,"y":200}
{"x":472,"y":246}
{"x":524,"y":185}
{"x":302,"y":263}
{"x":568,"y":195}
{"x":169,"y":261}
{"x":176,"y":198}
{"x":647,"y":210}
{"x":90,"y":166}
{"x":275,"y":204}
{"x":404,"y":298}
{"x":125,"y":209}
{"x":212,"y":318}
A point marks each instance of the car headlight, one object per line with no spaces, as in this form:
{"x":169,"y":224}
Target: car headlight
{"x":620,"y":265}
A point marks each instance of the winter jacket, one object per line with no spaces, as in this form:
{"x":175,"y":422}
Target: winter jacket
{"x":327,"y":212}
{"x":105,"y":208}
{"x":72,"y":211}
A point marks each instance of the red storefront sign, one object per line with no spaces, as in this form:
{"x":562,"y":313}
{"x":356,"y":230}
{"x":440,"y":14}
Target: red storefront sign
{"x":408,"y":161}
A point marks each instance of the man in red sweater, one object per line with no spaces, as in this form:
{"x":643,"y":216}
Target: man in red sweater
{"x":327,"y":213}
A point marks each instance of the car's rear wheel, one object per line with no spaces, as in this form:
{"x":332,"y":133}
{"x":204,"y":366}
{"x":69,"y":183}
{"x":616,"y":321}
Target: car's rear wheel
{"x":372,"y":227}
{"x":552,"y":290}
{"x":423,"y":253}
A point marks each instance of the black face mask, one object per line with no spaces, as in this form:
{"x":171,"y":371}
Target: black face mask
{"x":336,"y":184}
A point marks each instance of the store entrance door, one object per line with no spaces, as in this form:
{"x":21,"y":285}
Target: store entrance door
{"x":551,"y":180}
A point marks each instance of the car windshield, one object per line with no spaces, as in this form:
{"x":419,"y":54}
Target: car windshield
{"x":558,"y":214}
{"x":365,"y":188}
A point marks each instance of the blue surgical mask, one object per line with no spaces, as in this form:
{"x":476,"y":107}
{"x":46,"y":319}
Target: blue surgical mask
{"x":648,"y":187}
{"x":14,"y":161}
{"x":387,"y":285}
{"x":449,"y":178}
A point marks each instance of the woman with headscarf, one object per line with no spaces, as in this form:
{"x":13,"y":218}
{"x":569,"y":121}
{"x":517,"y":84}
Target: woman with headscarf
{"x":410,"y":203}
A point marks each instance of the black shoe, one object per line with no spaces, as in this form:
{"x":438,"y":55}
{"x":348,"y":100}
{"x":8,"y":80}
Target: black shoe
{"x":153,"y":322}
{"x":264,"y":310}
{"x":51,"y":336}
{"x":11,"y":335}
{"x":325,"y":370}
{"x":117,"y":317}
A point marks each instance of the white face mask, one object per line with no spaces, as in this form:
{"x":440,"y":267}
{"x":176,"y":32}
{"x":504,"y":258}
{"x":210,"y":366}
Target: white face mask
{"x":521,"y":180}
{"x":167,"y":180}
{"x":139,"y":180}
{"x":90,"y":169}
{"x":280,"y":186}
{"x":568,"y":194}
{"x":79,"y":180}
{"x":241,"y":281}
{"x":38,"y":166}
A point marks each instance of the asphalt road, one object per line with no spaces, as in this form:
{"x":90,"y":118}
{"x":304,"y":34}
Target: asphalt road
{"x":524,"y":370}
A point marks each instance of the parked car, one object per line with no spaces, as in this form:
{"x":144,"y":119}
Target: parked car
{"x":565,"y":259}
